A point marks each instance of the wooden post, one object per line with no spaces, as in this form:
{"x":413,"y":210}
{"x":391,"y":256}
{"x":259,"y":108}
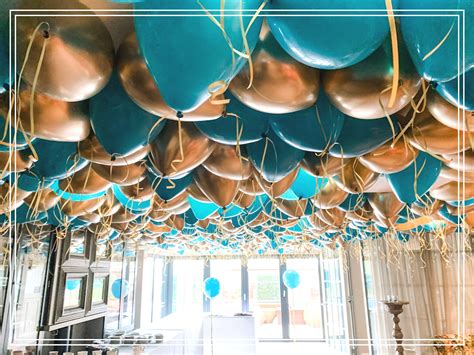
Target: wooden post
{"x":395,"y":308}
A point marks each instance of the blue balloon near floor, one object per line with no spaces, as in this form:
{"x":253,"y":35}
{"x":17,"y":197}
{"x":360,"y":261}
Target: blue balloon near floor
{"x":118,"y":286}
{"x":119,"y":124}
{"x":452,"y":93}
{"x":252,"y":124}
{"x":359,"y":137}
{"x":186,"y":54}
{"x":274,"y":158}
{"x":341,"y":40}
{"x":433,"y":41}
{"x":291,"y":279}
{"x":212,"y":287}
{"x":424,"y":170}
{"x":72,"y":284}
{"x":313,"y":129}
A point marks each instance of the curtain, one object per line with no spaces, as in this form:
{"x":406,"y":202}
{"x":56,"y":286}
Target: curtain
{"x":435,"y":275}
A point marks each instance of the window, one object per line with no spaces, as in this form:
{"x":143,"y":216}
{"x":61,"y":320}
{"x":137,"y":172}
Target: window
{"x":188,"y":280}
{"x":228,"y":272}
{"x":128,"y":284}
{"x":153,"y":276}
{"x":113,"y":305}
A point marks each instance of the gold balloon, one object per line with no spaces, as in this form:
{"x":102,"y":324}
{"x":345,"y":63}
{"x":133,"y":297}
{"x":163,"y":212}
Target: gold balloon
{"x":153,"y":228}
{"x":276,"y":189}
{"x":79,"y":208}
{"x":42,"y":200}
{"x":79,"y":55}
{"x":196,"y":193}
{"x":463,"y":162}
{"x":53,"y":119}
{"x":243,"y":200}
{"x":280,"y":83}
{"x":448,"y":114}
{"x":203,"y":223}
{"x":317,"y":223}
{"x":225,"y":162}
{"x":330,"y":196}
{"x":455,"y":175}
{"x":180,"y":209}
{"x":429,"y":209}
{"x":159,"y":215}
{"x":219,"y":190}
{"x":332,"y":216}
{"x":293,"y":208}
{"x":169,"y":205}
{"x":84,"y":181}
{"x":139,"y":191}
{"x":121,"y":175}
{"x":430,"y":135}
{"x":175,"y":222}
{"x":459,"y":210}
{"x":11,"y":197}
{"x":355,"y":177}
{"x":387,"y":159}
{"x":99,"y":229}
{"x":166,"y":149}
{"x":90,"y":217}
{"x":123,"y":215}
{"x":469,"y":220}
{"x":251,"y":186}
{"x":362,"y":214}
{"x":110,"y":206}
{"x":453,"y":191}
{"x":363,"y":90}
{"x":325,"y":165}
{"x":15,"y":161}
{"x":93,"y":151}
{"x":259,"y":220}
{"x":141,"y":87}
{"x":385,"y":204}
{"x":380,"y":185}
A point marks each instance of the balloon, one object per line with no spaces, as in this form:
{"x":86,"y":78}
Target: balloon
{"x":291,"y":279}
{"x":119,"y":124}
{"x":168,"y":189}
{"x":56,"y":159}
{"x":212,"y":287}
{"x":5,"y":7}
{"x":273,"y":158}
{"x":280,"y":83}
{"x":332,"y":216}
{"x":243,"y":200}
{"x":72,"y":284}
{"x":385,"y":204}
{"x":42,"y":200}
{"x":429,"y":135}
{"x":433,"y":40}
{"x":9,"y":137}
{"x":219,"y":190}
{"x":121,"y":175}
{"x":77,"y":208}
{"x":353,"y":202}
{"x":306,"y":185}
{"x":323,"y":165}
{"x":342,"y":41}
{"x":110,"y":206}
{"x":453,"y":191}
{"x":355,"y":177}
{"x":76,"y":64}
{"x":135,"y":205}
{"x":422,"y":173}
{"x":141,"y":191}
{"x":388,"y":159}
{"x":15,"y":161}
{"x":276,"y":189}
{"x":119,"y":287}
{"x":252,"y":186}
{"x":330,"y":195}
{"x":313,"y":129}
{"x":359,"y":137}
{"x":295,"y":208}
{"x":27,"y":181}
{"x":248,"y":127}
{"x":184,"y":85}
{"x":364,"y":90}
{"x":202,"y":210}
{"x":92,"y":150}
{"x":450,"y":90}
{"x":225,"y":161}
{"x":448,"y":114}
{"x":141,"y":87}
{"x":166,"y":149}
{"x":84,"y":181}
{"x":461,"y":162}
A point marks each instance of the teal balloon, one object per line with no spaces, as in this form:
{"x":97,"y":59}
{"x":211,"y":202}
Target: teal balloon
{"x":252,"y":124}
{"x":130,"y":204}
{"x":72,"y":284}
{"x":8,"y":136}
{"x":359,"y":137}
{"x":289,"y":195}
{"x":24,"y":214}
{"x":450,"y":91}
{"x":166,"y":188}
{"x":352,"y":201}
{"x":120,"y":125}
{"x":56,"y":159}
{"x":56,"y":217}
{"x":422,"y":34}
{"x":190,"y":218}
{"x":277,"y":160}
{"x":72,"y":196}
{"x":424,"y":170}
{"x":329,"y":42}
{"x":119,"y":286}
{"x":230,"y":211}
{"x":27,"y":181}
{"x":5,"y":7}
{"x":185,"y":54}
{"x":202,"y":210}
{"x":468,"y":202}
{"x":212,"y":287}
{"x":313,"y":129}
{"x":291,"y":279}
{"x":307,"y":185}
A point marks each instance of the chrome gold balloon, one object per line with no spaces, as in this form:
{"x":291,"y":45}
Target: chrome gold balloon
{"x":172,"y":203}
{"x":430,"y":135}
{"x":243,"y":200}
{"x":362,"y":214}
{"x":448,"y":114}
{"x":11,"y":197}
{"x":42,"y":200}
{"x":355,"y":177}
{"x":251,"y":186}
{"x":456,"y":175}
{"x":140,"y":191}
{"x":121,"y":175}
{"x":293,"y":208}
{"x":463,"y":162}
{"x":78,"y":57}
{"x":387,"y":159}
{"x":385,"y":204}
{"x":195,"y":192}
{"x":110,"y":206}
{"x":15,"y":161}
{"x":79,"y":208}
{"x":90,"y":217}
{"x":325,"y":165}
{"x":123,"y":215}
{"x":332,"y":216}
{"x":93,"y":151}
{"x":276,"y":189}
{"x":380,"y":185}
{"x":227,"y":163}
{"x":330,"y":195}
{"x":219,"y":190}
{"x":175,"y":222}
{"x":453,"y":191}
{"x":280,"y":83}
{"x":166,"y":149}
{"x":141,"y":87}
{"x":85,"y":181}
{"x":363,"y":90}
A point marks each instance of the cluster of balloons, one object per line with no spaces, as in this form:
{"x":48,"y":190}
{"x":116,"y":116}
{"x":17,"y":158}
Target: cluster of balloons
{"x":230,"y":134}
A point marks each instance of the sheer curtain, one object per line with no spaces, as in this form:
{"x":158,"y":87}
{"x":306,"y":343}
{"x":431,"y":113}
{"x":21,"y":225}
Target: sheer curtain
{"x":438,"y":284}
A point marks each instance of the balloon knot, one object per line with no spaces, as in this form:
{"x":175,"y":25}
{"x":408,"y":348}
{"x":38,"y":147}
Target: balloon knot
{"x":46,"y":34}
{"x":6,"y":87}
{"x":224,"y":113}
{"x":113,"y":158}
{"x":433,"y":84}
{"x":179,"y":114}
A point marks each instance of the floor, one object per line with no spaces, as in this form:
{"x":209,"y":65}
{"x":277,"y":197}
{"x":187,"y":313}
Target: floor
{"x":294,"y":348}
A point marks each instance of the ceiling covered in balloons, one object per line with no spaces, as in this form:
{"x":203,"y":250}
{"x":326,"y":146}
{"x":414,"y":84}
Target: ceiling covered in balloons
{"x":237,"y":126}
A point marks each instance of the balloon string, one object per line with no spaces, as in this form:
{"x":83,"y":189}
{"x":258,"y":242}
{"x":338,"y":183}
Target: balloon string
{"x":246,"y":46}
{"x":216,"y":90}
{"x":181,"y":151}
{"x":433,"y":51}
{"x":395,"y":58}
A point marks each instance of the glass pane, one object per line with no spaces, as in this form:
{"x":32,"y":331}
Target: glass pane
{"x":98,"y":290}
{"x":77,"y":247}
{"x":264,"y":296}
{"x":73,"y":292}
{"x":229,"y":273}
{"x":304,"y":301}
{"x":102,"y":250}
{"x":113,"y":301}
{"x":187,"y":286}
{"x":128,"y":284}
{"x":151,"y":302}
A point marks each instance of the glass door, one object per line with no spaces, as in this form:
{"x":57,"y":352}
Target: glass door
{"x":188,"y":277}
{"x":228,"y":272}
